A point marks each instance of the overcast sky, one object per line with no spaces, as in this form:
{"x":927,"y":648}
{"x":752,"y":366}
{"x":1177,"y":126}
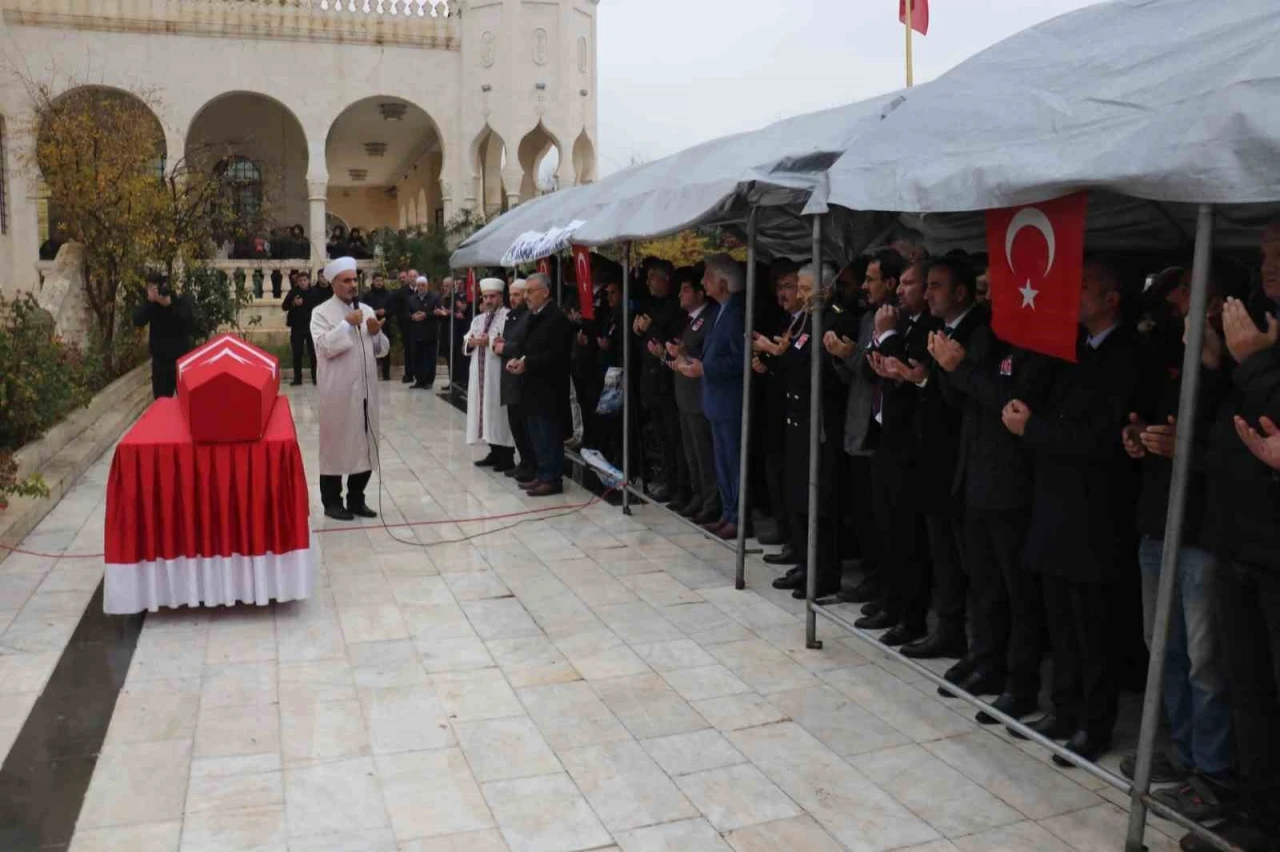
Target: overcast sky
{"x":674,"y":73}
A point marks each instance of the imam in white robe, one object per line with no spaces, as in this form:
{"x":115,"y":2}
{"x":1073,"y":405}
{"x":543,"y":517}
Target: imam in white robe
{"x":496,"y":430}
{"x":347,"y":375}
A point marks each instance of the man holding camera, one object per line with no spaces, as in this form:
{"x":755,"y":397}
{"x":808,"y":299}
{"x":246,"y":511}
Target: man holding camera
{"x":169,"y":338}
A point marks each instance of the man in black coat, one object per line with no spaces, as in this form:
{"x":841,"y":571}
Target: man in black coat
{"x":543,"y":367}
{"x":508,"y":347}
{"x":1081,"y":507}
{"x":900,"y":338}
{"x":397,"y":308}
{"x":695,"y":429}
{"x":169,"y":316}
{"x":767,"y":361}
{"x":298,"y":304}
{"x":660,"y":321}
{"x":950,"y":292}
{"x":379,"y":298}
{"x":423,"y":309}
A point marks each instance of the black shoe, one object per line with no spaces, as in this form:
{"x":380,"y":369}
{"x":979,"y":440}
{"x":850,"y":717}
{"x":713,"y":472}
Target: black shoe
{"x":818,"y":594}
{"x":1236,"y":830}
{"x":338,"y":513}
{"x":901,"y":635}
{"x":872,"y":608}
{"x":1086,"y":745}
{"x":361,"y":509}
{"x":865,"y":592}
{"x":296,"y":382}
{"x":1051,"y":726}
{"x":786,"y":556}
{"x":488,"y":461}
{"x":960,"y":670}
{"x":1165,"y":768}
{"x":1010,"y":705}
{"x":526,"y":479}
{"x":520,"y":471}
{"x":879,"y":621}
{"x":935,"y":645}
{"x":503,"y":465}
{"x":419,"y":386}
{"x":792,"y":580}
{"x":776,"y":538}
{"x":408,"y":377}
{"x":660,"y":494}
{"x":692,"y":509}
{"x":983,"y":682}
{"x":707,"y":517}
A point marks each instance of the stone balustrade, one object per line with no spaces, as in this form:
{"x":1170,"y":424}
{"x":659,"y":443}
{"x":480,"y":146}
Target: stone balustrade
{"x":405,"y":8}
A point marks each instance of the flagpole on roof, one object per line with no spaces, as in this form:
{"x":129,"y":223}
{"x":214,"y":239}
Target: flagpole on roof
{"x":908,"y":19}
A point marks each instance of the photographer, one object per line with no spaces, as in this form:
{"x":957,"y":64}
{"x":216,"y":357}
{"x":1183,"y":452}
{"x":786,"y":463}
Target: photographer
{"x":298,"y":304}
{"x":169,"y":315}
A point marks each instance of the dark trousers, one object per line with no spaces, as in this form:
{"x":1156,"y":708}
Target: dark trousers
{"x":406,"y":350}
{"x":302,"y":344}
{"x":775,"y":473}
{"x":828,"y":560}
{"x":949,"y":583}
{"x":1247,"y":604}
{"x":520,"y":432}
{"x":726,"y":438}
{"x":384,"y":366}
{"x":331,"y":489}
{"x":700,"y":457}
{"x":664,"y":419}
{"x":1006,"y":606}
{"x":164,"y":376}
{"x":425,"y":360}
{"x":1084,"y":684}
{"x":862,"y":516}
{"x":547,"y":435}
{"x":905,"y":537}
{"x":588,"y":391}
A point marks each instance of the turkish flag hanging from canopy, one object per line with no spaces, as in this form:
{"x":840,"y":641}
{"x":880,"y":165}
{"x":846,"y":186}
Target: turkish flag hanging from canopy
{"x":1036,"y":256}
{"x":544,"y":266}
{"x":582,"y":275}
{"x":919,"y":15}
{"x":471,"y":285}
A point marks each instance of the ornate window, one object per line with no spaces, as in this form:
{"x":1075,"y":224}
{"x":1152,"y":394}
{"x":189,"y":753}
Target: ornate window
{"x":243,"y":181}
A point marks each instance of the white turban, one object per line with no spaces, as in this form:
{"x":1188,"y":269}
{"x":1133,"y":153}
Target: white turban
{"x":492,"y":285}
{"x":339,"y":265}
{"x":422,"y":279}
{"x":518,"y":286}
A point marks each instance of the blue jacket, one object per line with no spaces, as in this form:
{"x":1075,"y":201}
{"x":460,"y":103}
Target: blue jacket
{"x":722,"y":362}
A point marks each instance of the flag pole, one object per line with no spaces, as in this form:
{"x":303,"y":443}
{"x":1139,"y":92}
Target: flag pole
{"x":910,"y":15}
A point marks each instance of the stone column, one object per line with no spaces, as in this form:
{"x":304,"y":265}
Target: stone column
{"x":317,"y":197}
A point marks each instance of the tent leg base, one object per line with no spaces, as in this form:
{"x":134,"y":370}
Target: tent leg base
{"x":739,"y":584}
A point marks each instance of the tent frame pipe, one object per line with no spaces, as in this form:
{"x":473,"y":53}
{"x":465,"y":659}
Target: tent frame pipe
{"x":626,"y":379}
{"x":1188,"y":395}
{"x":749,"y":323}
{"x":817,"y":302}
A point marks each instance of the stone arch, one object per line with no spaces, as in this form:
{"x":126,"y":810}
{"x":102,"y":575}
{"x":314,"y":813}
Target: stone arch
{"x":250,"y":126}
{"x":488,"y":159}
{"x":535,"y":153}
{"x":378,"y":144}
{"x":584,"y":158}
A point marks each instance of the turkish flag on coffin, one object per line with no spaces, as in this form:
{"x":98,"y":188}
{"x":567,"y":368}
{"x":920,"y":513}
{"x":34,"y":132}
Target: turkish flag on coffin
{"x":227,"y":390}
{"x":1036,"y":255}
{"x":582,"y":274}
{"x":919,"y":15}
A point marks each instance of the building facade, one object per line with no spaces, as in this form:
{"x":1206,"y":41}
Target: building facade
{"x":368,"y":113}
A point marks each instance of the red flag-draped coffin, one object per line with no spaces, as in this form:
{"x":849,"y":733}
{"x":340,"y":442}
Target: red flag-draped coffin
{"x":227,"y":389}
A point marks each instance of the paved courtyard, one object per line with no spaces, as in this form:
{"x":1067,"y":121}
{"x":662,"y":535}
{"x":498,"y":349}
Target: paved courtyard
{"x":580,"y":682}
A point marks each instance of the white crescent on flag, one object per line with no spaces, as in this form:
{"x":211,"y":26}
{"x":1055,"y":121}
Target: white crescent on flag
{"x":222,"y":345}
{"x":1030,"y":217}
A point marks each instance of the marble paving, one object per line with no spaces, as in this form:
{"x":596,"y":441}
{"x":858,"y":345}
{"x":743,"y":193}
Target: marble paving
{"x":587,"y":681}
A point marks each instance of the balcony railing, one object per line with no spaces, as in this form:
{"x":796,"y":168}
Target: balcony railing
{"x":390,"y":8}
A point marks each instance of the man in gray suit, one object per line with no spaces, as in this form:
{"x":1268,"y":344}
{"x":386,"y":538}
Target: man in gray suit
{"x":695,"y":429}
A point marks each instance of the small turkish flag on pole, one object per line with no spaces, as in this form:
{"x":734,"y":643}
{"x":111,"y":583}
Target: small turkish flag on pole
{"x":1036,"y":257}
{"x":582,"y":275}
{"x":544,"y":266}
{"x":919,"y":14}
{"x":471,"y":285}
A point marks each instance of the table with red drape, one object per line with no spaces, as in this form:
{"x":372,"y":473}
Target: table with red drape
{"x":207,"y":524}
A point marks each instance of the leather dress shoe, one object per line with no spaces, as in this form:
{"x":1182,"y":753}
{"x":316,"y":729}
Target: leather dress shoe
{"x":520,"y":471}
{"x":526,"y":479}
{"x":544,"y":489}
{"x":488,"y":461}
{"x":1051,"y":726}
{"x":879,"y":621}
{"x":710,"y":516}
{"x":936,"y":645}
{"x":786,"y":556}
{"x":659,"y":494}
{"x":690,"y":510}
{"x":821,"y":592}
{"x":407,"y":379}
{"x":901,"y":635}
{"x":678,"y":506}
{"x":1086,"y":745}
{"x":792,"y":580}
{"x":361,"y":510}
{"x":983,"y":682}
{"x":681,"y":498}
{"x":1009,"y":704}
{"x":296,"y":383}
{"x":338,"y":513}
{"x":728,"y":532}
{"x":504,"y":465}
{"x":714,"y":526}
{"x":960,"y":670}
{"x":775,"y":538}
{"x":872,"y":608}
{"x":866,"y":591}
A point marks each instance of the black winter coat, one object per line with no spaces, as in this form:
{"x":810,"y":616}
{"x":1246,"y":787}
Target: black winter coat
{"x":514,"y":331}
{"x":169,"y":332}
{"x":548,"y":345}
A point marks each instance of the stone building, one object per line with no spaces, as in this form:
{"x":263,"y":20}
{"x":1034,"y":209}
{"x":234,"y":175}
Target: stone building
{"x":366,"y":113}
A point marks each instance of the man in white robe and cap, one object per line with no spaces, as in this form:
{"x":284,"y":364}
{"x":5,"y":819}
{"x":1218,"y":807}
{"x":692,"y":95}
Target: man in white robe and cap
{"x":486,"y":415}
{"x":349,"y":341}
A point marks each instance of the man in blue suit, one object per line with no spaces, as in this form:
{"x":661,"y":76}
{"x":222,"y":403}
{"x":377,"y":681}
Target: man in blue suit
{"x":721,"y":372}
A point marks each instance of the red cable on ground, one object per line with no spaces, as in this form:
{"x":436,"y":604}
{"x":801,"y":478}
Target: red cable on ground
{"x":383,"y":526}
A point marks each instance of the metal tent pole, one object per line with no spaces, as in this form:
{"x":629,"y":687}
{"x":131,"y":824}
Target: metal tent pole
{"x":453,"y":302}
{"x":816,"y":302}
{"x":740,"y":575}
{"x":1173,"y":525}
{"x":560,"y":280}
{"x":626,"y":379}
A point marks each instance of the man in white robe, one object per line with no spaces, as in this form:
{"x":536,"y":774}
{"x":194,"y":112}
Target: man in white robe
{"x":486,"y":415}
{"x":349,"y":341}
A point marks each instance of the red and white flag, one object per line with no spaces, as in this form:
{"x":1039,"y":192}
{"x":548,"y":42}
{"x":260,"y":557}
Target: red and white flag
{"x":919,"y":15}
{"x":1036,"y":259}
{"x":471,"y":285}
{"x":582,"y":274}
{"x":544,"y":266}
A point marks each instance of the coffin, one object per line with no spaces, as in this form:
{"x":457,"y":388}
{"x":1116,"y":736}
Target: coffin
{"x":227,"y":390}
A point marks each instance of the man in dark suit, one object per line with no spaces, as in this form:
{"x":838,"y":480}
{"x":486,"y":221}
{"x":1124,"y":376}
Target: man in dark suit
{"x":543,"y":367}
{"x":423,"y":312}
{"x":721,"y":371}
{"x":1082,"y":498}
{"x":703,"y":505}
{"x":169,"y":316}
{"x":378,"y":297}
{"x":661,"y":320}
{"x":767,"y":361}
{"x":950,"y":291}
{"x":298,"y":304}
{"x":508,"y":347}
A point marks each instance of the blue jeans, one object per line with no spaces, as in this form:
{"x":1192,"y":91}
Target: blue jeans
{"x":726,"y":444}
{"x":547,"y":437}
{"x":1194,"y":690}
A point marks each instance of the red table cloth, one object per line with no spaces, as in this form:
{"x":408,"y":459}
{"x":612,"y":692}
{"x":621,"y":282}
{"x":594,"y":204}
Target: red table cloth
{"x":209,"y":524}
